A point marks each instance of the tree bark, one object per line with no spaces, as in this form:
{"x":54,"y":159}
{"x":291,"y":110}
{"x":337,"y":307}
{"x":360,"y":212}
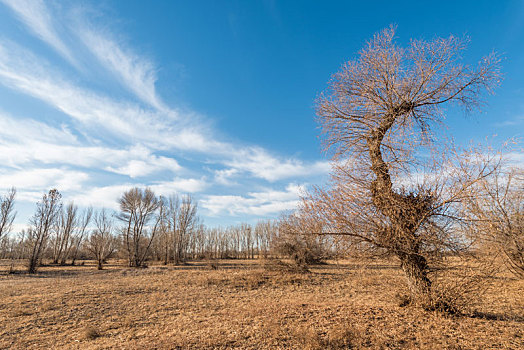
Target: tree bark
{"x":415,"y":268}
{"x":404,"y":212}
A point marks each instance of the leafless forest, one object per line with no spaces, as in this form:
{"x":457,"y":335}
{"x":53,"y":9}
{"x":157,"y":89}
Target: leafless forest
{"x":415,"y":242}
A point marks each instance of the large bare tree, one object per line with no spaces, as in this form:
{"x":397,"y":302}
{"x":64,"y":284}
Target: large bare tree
{"x":377,"y":117}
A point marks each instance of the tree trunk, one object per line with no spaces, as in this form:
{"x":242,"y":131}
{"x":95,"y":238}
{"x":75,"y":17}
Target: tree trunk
{"x":32,"y":265}
{"x":415,"y":268}
{"x":405,"y":213}
{"x":100,"y":264}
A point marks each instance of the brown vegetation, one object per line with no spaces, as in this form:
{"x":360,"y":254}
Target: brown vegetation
{"x":341,"y":305}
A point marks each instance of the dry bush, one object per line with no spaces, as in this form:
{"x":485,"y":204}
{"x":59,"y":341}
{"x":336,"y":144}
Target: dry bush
{"x":339,"y":336}
{"x":458,"y":286}
{"x":91,"y":333}
{"x":461,"y":289}
{"x":213,"y":265}
{"x":281,"y":266}
{"x":102,"y":244}
{"x":496,"y":212}
{"x":297,"y":241}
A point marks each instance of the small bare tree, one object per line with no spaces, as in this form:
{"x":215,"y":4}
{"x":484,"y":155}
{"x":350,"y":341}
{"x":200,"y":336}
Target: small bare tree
{"x":138,"y":208}
{"x":7,"y":215}
{"x":42,"y":222}
{"x":102,"y":243}
{"x":378,"y":113}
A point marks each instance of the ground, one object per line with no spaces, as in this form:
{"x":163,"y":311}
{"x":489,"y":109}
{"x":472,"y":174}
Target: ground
{"x":243,"y":305}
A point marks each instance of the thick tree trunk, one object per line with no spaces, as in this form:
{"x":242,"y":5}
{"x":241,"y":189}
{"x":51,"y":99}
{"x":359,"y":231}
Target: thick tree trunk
{"x":405,"y":213}
{"x":415,"y":268}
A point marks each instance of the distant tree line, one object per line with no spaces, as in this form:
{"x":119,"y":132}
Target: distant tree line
{"x":146,"y":228}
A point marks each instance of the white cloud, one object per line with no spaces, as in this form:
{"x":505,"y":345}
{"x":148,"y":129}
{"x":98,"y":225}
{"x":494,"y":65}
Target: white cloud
{"x":179,"y":185}
{"x":24,"y":142}
{"x":255,"y":203}
{"x":515,"y":159}
{"x":22,"y":71}
{"x":134,"y":72}
{"x":224,"y":176}
{"x":262,"y":165}
{"x":31,"y":184}
{"x":146,"y":166}
{"x":35,"y":15}
{"x":102,"y":197}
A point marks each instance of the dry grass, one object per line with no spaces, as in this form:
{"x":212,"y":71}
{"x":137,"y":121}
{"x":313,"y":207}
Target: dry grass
{"x":239,"y":305}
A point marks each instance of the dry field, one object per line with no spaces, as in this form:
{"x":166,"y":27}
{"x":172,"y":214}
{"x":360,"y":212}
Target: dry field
{"x":241,"y":305}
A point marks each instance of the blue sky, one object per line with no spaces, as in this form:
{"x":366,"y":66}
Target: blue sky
{"x":211,"y":98}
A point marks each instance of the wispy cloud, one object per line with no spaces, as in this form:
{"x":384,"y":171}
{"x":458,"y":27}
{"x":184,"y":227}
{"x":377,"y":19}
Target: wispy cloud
{"x":36,"y":16}
{"x":124,"y":140}
{"x":22,"y":71}
{"x":26,"y":142}
{"x":134,"y":72}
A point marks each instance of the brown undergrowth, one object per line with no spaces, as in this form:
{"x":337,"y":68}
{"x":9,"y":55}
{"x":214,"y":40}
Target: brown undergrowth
{"x":244,"y":306}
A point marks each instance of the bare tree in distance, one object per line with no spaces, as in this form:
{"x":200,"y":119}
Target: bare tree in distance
{"x":377,"y":117}
{"x":80,"y":234}
{"x":164,"y":238}
{"x":7,"y":214}
{"x":264,"y":233}
{"x":185,"y":220}
{"x":138,"y":208}
{"x":64,"y":232}
{"x":42,"y":222}
{"x":102,"y":243}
